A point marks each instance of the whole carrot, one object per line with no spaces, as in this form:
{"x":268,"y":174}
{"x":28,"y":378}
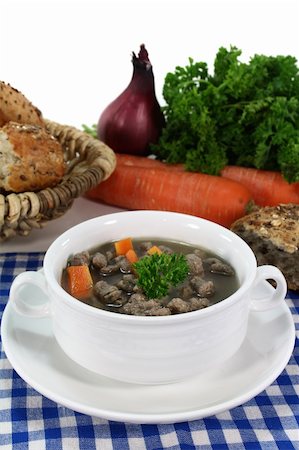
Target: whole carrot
{"x":268,"y":188}
{"x":143,"y":161}
{"x":211,"y":197}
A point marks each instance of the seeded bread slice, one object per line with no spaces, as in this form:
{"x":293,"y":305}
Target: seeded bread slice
{"x":273,"y":235}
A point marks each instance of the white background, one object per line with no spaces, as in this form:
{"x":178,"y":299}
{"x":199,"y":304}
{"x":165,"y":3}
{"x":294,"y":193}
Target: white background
{"x":72,"y":57}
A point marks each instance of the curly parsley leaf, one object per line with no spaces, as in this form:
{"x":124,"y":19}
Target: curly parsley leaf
{"x":157,"y":273}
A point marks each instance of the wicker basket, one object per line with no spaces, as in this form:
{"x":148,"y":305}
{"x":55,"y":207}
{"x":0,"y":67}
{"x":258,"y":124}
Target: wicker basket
{"x":88,"y":162}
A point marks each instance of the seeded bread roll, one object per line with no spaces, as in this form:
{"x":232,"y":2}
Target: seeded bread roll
{"x":15,"y":107}
{"x":273,"y":235}
{"x":30,"y":158}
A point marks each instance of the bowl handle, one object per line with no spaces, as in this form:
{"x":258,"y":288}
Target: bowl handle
{"x":29,"y":294}
{"x":263,"y":296}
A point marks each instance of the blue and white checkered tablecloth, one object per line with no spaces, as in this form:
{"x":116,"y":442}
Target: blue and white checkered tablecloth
{"x":30,"y":421}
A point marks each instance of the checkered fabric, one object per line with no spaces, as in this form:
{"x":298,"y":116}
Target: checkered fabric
{"x":30,"y":421}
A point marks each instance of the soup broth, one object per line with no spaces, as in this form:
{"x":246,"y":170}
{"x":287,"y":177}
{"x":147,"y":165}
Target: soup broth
{"x":115,"y":286}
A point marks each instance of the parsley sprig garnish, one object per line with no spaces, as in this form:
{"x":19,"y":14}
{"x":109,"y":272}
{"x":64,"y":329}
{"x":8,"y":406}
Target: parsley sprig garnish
{"x":159,"y":272}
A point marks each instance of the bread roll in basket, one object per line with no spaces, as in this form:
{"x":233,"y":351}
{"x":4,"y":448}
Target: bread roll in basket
{"x":87,"y":163}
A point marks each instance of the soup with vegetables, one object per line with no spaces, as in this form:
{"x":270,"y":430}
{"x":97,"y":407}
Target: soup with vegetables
{"x":148,"y":277}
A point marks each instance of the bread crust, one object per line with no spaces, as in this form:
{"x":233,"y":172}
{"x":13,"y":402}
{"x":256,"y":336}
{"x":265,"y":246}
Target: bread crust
{"x":15,"y":107}
{"x":30,"y":158}
{"x":273,"y":234}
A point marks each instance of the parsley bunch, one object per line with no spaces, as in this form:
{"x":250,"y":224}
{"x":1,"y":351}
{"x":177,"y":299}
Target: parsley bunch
{"x":157,"y":273}
{"x":244,"y":114}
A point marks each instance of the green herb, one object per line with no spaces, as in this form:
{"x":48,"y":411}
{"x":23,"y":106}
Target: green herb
{"x":90,"y":130}
{"x":157,"y":273}
{"x":245,"y":114}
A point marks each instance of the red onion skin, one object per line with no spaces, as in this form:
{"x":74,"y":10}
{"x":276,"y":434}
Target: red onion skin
{"x":134,"y":120}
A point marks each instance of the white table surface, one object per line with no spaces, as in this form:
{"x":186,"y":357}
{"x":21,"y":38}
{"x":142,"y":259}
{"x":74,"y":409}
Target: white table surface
{"x":40,"y":239}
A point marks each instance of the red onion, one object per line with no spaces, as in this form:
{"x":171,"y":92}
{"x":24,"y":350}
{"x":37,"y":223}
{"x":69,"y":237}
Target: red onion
{"x":134,"y":120}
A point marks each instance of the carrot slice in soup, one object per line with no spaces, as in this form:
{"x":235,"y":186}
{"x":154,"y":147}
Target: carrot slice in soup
{"x":79,"y":281}
{"x":154,"y":249}
{"x":131,"y":255}
{"x":123,"y":246}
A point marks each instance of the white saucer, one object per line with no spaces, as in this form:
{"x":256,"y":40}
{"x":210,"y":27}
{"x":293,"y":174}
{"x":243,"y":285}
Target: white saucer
{"x":34,"y":353}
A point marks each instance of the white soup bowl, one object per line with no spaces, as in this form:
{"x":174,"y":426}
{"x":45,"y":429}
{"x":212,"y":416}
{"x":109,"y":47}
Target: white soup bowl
{"x":138,"y":349}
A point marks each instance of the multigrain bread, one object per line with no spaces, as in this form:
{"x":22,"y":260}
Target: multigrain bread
{"x":273,"y":235}
{"x":15,"y":107}
{"x":30,"y":158}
